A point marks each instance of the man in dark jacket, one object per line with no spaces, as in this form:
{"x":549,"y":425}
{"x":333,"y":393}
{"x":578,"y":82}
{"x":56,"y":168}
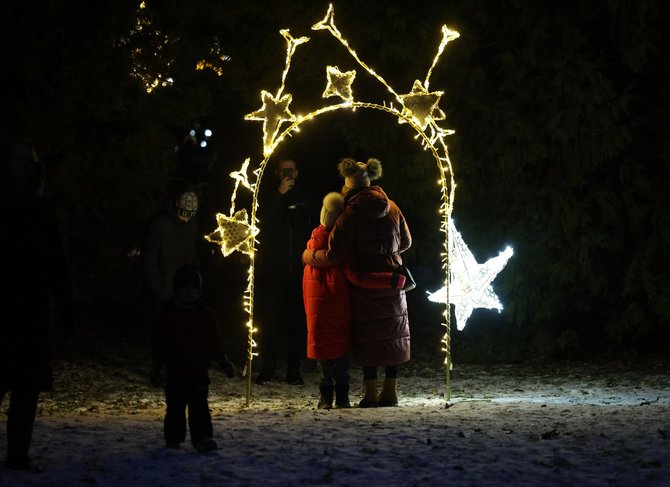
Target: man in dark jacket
{"x":36,"y":274}
{"x":287,"y":213}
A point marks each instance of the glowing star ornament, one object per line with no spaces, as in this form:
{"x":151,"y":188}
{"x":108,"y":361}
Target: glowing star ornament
{"x":234,"y":233}
{"x":421,"y":106}
{"x":328,"y":22}
{"x":275,"y":109}
{"x":470,"y":282}
{"x":339,"y":83}
{"x":273,"y":113}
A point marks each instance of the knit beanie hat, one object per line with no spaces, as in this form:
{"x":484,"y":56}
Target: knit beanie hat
{"x":359,"y":174}
{"x":333,"y":204}
{"x":187,"y":204}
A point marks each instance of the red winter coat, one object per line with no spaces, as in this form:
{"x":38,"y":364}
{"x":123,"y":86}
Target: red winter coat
{"x":326,"y":294}
{"x":372,"y":232}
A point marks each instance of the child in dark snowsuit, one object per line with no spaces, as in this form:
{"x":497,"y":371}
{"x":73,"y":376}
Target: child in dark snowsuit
{"x":328,"y":309}
{"x":186,"y":340}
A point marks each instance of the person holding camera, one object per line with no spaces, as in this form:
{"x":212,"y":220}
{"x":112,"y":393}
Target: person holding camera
{"x":286,"y":215}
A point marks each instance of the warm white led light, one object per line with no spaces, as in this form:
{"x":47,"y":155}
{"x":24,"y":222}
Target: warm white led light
{"x":419,"y":109}
{"x":470,"y":282}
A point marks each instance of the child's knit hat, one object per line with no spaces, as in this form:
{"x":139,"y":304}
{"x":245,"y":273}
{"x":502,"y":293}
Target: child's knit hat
{"x":333,"y":204}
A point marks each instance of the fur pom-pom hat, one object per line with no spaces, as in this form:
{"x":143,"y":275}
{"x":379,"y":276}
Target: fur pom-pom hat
{"x":359,"y":174}
{"x":333,"y":204}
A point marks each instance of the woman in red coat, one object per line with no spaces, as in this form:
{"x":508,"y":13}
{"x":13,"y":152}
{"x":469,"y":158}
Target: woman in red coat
{"x":328,"y":309}
{"x":371,"y":233}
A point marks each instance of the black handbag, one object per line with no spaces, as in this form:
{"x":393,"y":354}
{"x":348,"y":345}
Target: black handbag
{"x":410,"y":283}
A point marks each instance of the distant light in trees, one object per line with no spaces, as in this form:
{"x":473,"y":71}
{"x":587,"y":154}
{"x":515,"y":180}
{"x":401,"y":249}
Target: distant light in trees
{"x":149,"y":48}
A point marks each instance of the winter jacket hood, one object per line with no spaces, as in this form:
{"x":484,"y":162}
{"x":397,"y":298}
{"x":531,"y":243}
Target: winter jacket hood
{"x":371,"y":201}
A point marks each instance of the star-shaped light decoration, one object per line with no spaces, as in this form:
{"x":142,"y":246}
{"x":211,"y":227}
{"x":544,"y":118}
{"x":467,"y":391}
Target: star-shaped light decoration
{"x":339,"y":83}
{"x":421,"y":105}
{"x":275,"y":109}
{"x":234,"y":233}
{"x":273,"y":113}
{"x":470,"y":282}
{"x":240,"y":177}
{"x":328,"y":22}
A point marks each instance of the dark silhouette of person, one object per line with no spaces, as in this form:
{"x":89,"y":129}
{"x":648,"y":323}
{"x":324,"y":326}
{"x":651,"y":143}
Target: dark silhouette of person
{"x":186,"y":340}
{"x":171,"y":242}
{"x":36,"y":275}
{"x":286,"y":215}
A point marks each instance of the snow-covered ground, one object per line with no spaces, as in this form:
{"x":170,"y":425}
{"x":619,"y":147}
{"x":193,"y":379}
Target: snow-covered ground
{"x":577,"y":424}
{"x":604,"y":424}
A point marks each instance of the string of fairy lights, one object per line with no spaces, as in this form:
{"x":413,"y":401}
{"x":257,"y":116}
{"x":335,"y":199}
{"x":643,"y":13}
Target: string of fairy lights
{"x":467,"y":284}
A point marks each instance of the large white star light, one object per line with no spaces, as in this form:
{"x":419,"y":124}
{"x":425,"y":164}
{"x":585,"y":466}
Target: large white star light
{"x":470,"y":282}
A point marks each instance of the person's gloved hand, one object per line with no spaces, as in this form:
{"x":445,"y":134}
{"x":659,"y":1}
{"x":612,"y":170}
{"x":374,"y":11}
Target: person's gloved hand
{"x":398,"y":281}
{"x":227,"y":367}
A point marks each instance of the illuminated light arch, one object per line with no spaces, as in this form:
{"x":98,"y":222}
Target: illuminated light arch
{"x":418,"y":108}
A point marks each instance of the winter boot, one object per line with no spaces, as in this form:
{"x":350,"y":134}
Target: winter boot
{"x":388,"y":396}
{"x":326,"y":399}
{"x":342,"y":396}
{"x":370,"y":398}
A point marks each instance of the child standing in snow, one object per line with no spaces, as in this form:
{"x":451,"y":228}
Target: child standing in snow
{"x":328,"y":309}
{"x":186,"y":340}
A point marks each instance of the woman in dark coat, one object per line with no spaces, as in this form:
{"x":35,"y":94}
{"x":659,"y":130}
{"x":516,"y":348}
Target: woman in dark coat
{"x":372,"y":232}
{"x":35,"y":273}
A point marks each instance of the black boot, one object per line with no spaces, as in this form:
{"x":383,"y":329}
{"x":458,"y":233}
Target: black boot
{"x":326,"y":399}
{"x":342,"y":396}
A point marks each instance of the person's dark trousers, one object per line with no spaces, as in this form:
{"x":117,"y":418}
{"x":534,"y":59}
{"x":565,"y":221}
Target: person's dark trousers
{"x":182,"y":393}
{"x":283,"y":329}
{"x":336,"y":370}
{"x":390,"y":372}
{"x":20,"y":421}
